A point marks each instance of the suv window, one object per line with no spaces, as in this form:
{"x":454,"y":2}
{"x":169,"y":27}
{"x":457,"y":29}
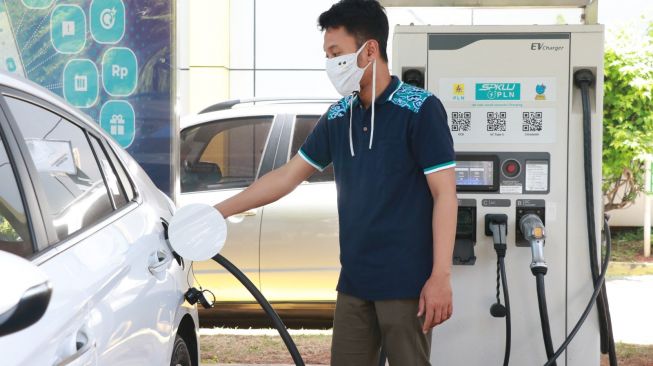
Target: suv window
{"x":14,"y":232}
{"x":303,"y":127}
{"x":69,"y":174}
{"x":222,"y":154}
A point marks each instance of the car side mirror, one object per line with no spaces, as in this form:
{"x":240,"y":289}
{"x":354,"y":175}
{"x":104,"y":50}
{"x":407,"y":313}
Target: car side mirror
{"x":197,"y":232}
{"x":24,"y":293}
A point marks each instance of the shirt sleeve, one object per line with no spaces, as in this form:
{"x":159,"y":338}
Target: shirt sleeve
{"x":316,"y":150}
{"x":431,"y":139}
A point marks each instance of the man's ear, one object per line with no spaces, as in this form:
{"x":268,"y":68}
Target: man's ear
{"x":372,"y":50}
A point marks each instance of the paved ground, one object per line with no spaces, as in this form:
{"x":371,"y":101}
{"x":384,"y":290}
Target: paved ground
{"x":631,"y":307}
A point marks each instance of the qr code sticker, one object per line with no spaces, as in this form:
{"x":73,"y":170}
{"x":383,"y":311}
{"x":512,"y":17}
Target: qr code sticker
{"x":496,"y":121}
{"x":461,"y":121}
{"x":531,"y":121}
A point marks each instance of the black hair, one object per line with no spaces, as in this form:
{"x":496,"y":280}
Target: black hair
{"x":363,"y":19}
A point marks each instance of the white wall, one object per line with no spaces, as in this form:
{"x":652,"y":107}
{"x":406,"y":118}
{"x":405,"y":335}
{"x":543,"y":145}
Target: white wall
{"x":631,"y":216}
{"x":276,"y":46}
{"x":276,"y":49}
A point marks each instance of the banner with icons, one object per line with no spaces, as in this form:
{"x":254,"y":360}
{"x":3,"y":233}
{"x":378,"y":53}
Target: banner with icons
{"x":112,"y":59}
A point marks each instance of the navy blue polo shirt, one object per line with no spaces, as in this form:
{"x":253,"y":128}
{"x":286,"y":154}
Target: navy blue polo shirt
{"x":384,"y":203}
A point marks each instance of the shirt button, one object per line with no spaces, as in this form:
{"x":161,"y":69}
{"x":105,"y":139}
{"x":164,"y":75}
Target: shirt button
{"x":364,"y":129}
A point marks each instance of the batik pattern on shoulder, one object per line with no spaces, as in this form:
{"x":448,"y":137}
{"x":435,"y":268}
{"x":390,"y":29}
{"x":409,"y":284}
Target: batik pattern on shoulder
{"x":410,"y":97}
{"x":340,"y":108}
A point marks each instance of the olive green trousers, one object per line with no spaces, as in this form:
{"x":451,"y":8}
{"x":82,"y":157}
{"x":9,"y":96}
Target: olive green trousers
{"x":361,"y":328}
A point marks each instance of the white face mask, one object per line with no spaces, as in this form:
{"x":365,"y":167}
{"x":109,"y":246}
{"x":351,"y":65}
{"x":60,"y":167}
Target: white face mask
{"x":344,"y":73}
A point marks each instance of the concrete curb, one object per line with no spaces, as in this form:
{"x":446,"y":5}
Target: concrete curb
{"x":620,"y":269}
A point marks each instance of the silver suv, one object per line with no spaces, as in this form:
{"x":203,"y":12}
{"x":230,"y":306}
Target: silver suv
{"x":288,"y":248}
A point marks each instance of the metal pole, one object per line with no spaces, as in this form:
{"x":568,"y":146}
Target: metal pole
{"x":647,"y":209}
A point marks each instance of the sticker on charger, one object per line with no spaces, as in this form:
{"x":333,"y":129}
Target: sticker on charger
{"x":537,"y":177}
{"x":510,"y":189}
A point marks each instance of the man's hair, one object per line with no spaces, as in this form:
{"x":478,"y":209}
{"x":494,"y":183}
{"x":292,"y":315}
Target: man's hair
{"x":363,"y":19}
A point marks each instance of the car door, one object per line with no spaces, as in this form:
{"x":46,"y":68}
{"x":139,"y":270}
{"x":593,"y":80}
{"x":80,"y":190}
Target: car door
{"x":113,"y":301}
{"x":22,"y":234}
{"x":219,"y":159}
{"x":140,"y":310}
{"x":63,"y":333}
{"x":299,"y":233}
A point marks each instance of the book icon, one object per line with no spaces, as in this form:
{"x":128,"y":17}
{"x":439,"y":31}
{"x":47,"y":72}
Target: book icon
{"x":81,"y":82}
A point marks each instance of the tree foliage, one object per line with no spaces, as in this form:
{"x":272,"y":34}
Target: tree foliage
{"x":7,"y":233}
{"x":627,"y":114}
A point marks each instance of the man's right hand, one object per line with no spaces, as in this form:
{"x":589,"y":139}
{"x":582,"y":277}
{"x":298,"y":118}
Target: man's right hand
{"x":269,"y":188}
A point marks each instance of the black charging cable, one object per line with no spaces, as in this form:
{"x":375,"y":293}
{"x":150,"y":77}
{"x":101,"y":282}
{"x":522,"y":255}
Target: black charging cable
{"x":590,"y":304}
{"x":583,"y":79}
{"x":497,"y":225}
{"x":539,"y":273}
{"x":506,"y":300}
{"x":276,"y":320}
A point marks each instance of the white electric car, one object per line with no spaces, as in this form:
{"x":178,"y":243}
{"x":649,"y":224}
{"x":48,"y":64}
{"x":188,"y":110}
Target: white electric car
{"x":98,"y":283}
{"x":289,"y":248}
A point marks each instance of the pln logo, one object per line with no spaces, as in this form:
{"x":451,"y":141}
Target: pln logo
{"x":459,"y":92}
{"x":539,"y":92}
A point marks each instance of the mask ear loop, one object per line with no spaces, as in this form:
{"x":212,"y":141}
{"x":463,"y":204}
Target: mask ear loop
{"x":351,"y":117}
{"x":373,"y":101}
{"x":351,"y":104}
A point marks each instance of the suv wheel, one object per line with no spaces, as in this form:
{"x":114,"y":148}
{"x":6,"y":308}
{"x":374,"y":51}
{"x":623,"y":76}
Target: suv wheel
{"x":180,"y":353}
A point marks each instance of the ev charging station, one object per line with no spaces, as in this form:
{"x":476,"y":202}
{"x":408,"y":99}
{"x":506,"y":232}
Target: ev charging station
{"x":524,"y":109}
{"x":516,"y":117}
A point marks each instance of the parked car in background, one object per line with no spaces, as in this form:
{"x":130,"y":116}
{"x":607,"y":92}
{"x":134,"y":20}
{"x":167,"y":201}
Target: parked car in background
{"x":289,"y":248}
{"x":90,"y":225}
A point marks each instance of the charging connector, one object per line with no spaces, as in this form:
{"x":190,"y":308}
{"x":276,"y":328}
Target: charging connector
{"x":194,"y":295}
{"x":532,"y":228}
{"x":496,"y":226}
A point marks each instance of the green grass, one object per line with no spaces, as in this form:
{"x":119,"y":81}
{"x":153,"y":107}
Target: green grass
{"x":628,"y":245}
{"x":226,"y":349}
{"x":632,"y":355}
{"x":257,"y":350}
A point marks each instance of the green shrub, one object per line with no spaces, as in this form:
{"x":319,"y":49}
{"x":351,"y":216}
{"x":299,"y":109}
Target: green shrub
{"x":627,"y":113}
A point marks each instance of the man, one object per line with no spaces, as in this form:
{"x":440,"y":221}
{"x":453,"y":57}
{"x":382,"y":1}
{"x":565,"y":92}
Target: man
{"x":393,"y":156}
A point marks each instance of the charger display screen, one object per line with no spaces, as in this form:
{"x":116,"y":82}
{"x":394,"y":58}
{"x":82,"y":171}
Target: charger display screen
{"x":474,"y":173}
{"x":477,"y":173}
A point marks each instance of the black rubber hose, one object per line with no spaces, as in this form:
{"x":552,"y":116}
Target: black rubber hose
{"x":544,"y":316}
{"x":276,"y":320}
{"x":590,"y":304}
{"x":583,"y":79}
{"x":506,"y":300}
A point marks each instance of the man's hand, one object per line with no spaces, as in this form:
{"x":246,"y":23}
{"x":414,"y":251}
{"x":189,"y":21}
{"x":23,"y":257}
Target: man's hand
{"x":268,"y":188}
{"x":435,"y":301}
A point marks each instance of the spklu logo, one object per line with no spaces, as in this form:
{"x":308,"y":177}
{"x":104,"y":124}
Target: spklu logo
{"x":498,"y":91}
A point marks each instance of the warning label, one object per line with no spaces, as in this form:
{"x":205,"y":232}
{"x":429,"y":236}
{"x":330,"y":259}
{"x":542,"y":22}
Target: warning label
{"x":537,"y":176}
